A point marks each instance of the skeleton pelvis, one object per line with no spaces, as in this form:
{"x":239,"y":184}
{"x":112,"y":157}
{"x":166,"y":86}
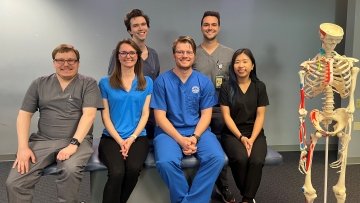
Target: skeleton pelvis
{"x":321,"y":119}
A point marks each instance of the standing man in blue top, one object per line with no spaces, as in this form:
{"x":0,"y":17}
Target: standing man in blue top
{"x":137,"y":25}
{"x":67,"y":104}
{"x":182,"y":101}
{"x":213,"y":59}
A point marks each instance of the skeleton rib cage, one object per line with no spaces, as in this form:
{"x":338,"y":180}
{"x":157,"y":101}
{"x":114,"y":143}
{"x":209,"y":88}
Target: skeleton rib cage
{"x":317,"y":75}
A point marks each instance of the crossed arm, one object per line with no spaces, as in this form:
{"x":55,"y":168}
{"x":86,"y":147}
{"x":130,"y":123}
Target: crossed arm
{"x":125,"y":144}
{"x":258,"y":125}
{"x":188,"y":144}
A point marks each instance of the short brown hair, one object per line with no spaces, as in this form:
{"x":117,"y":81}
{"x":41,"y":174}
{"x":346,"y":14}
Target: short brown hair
{"x":184,"y":39}
{"x":64,"y":48}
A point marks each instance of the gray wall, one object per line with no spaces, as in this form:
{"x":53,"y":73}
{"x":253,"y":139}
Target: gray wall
{"x":353,"y":49}
{"x":281,"y":33}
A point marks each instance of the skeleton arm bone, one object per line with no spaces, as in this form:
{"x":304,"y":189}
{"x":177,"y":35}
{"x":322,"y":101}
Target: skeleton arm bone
{"x":302,"y":129}
{"x":337,"y":164}
{"x":302,"y":162}
{"x":302,"y":110}
{"x":351,"y":107}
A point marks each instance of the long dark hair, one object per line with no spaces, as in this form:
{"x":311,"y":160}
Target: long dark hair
{"x":115,"y":77}
{"x":234,"y":86}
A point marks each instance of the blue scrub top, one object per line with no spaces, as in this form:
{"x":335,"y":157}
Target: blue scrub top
{"x":183,"y":102}
{"x":125,"y":107}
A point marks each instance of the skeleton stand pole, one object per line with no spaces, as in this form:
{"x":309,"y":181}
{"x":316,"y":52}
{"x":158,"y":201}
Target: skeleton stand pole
{"x":326,"y":169}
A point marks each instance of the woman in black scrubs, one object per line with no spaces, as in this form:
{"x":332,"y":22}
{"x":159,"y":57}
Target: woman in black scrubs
{"x":243,"y":100}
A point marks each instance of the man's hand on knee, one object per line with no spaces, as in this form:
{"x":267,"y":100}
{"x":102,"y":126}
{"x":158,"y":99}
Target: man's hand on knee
{"x":22,"y":160}
{"x":67,"y":152}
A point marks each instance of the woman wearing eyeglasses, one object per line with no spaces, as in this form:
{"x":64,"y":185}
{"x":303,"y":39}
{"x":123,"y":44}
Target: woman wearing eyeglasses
{"x":124,"y":146}
{"x":137,"y":24}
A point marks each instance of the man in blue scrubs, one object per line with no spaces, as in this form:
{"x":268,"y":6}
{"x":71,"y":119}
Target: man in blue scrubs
{"x":182,"y":101}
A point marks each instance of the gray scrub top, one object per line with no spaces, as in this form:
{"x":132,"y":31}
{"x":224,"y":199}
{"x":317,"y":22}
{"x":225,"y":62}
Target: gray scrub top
{"x":60,"y":111}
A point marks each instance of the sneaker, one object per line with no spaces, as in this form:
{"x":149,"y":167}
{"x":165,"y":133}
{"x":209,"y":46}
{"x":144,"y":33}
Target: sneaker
{"x":226,"y":195}
{"x":252,"y":201}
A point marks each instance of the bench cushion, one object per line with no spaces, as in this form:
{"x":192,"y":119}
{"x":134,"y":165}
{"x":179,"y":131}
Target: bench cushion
{"x":273,"y":157}
{"x":94,"y":164}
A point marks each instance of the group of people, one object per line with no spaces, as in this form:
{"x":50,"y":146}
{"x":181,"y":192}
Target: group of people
{"x":212,"y":94}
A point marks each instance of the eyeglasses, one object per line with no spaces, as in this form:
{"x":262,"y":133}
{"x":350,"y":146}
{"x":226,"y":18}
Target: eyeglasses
{"x":125,"y":53}
{"x":62,"y":61}
{"x":178,"y":52}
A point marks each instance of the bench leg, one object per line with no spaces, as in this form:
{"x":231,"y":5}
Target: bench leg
{"x":97,"y":184}
{"x":150,"y":188}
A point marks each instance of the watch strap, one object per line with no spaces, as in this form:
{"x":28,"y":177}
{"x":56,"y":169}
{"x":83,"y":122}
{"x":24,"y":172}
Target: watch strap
{"x":74,"y":141}
{"x":196,"y":136}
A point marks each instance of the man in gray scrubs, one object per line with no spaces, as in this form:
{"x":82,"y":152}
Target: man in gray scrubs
{"x":213,"y":59}
{"x":67,"y":103}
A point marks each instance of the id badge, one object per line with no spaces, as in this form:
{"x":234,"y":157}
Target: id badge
{"x":218,"y":81}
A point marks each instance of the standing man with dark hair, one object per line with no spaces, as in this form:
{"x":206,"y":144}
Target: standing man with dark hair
{"x":137,"y":25}
{"x":182,"y":100}
{"x":213,"y":59}
{"x":67,"y":103}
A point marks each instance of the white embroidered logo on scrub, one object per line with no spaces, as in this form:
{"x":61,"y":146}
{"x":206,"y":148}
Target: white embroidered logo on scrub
{"x":195,"y":89}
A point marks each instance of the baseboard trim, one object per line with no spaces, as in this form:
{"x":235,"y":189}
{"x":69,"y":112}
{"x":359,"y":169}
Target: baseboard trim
{"x":353,"y":160}
{"x":7,"y":157}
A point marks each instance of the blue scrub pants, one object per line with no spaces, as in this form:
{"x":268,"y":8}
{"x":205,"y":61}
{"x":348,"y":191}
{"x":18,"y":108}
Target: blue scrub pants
{"x":168,"y":156}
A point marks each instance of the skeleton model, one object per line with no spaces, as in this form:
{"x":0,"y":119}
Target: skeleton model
{"x":326,"y":73}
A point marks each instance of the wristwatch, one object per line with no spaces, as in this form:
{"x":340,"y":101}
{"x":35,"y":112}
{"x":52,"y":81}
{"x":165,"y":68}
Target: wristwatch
{"x":196,"y":136}
{"x":74,"y":141}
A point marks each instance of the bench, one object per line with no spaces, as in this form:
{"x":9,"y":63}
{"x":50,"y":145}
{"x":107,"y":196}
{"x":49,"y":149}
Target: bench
{"x":150,"y":183}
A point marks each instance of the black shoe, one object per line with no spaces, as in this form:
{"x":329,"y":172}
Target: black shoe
{"x":248,"y":201}
{"x":226,"y":195}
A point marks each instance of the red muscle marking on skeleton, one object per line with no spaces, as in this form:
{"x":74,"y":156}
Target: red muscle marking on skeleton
{"x":327,"y":72}
{"x":301,"y":134}
{"x":313,"y":116}
{"x":302,"y":98}
{"x":322,"y":32}
{"x":308,"y":161}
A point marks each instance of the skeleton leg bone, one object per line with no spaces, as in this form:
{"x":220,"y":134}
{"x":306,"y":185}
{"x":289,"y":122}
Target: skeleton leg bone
{"x":308,"y":189}
{"x":339,"y":189}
